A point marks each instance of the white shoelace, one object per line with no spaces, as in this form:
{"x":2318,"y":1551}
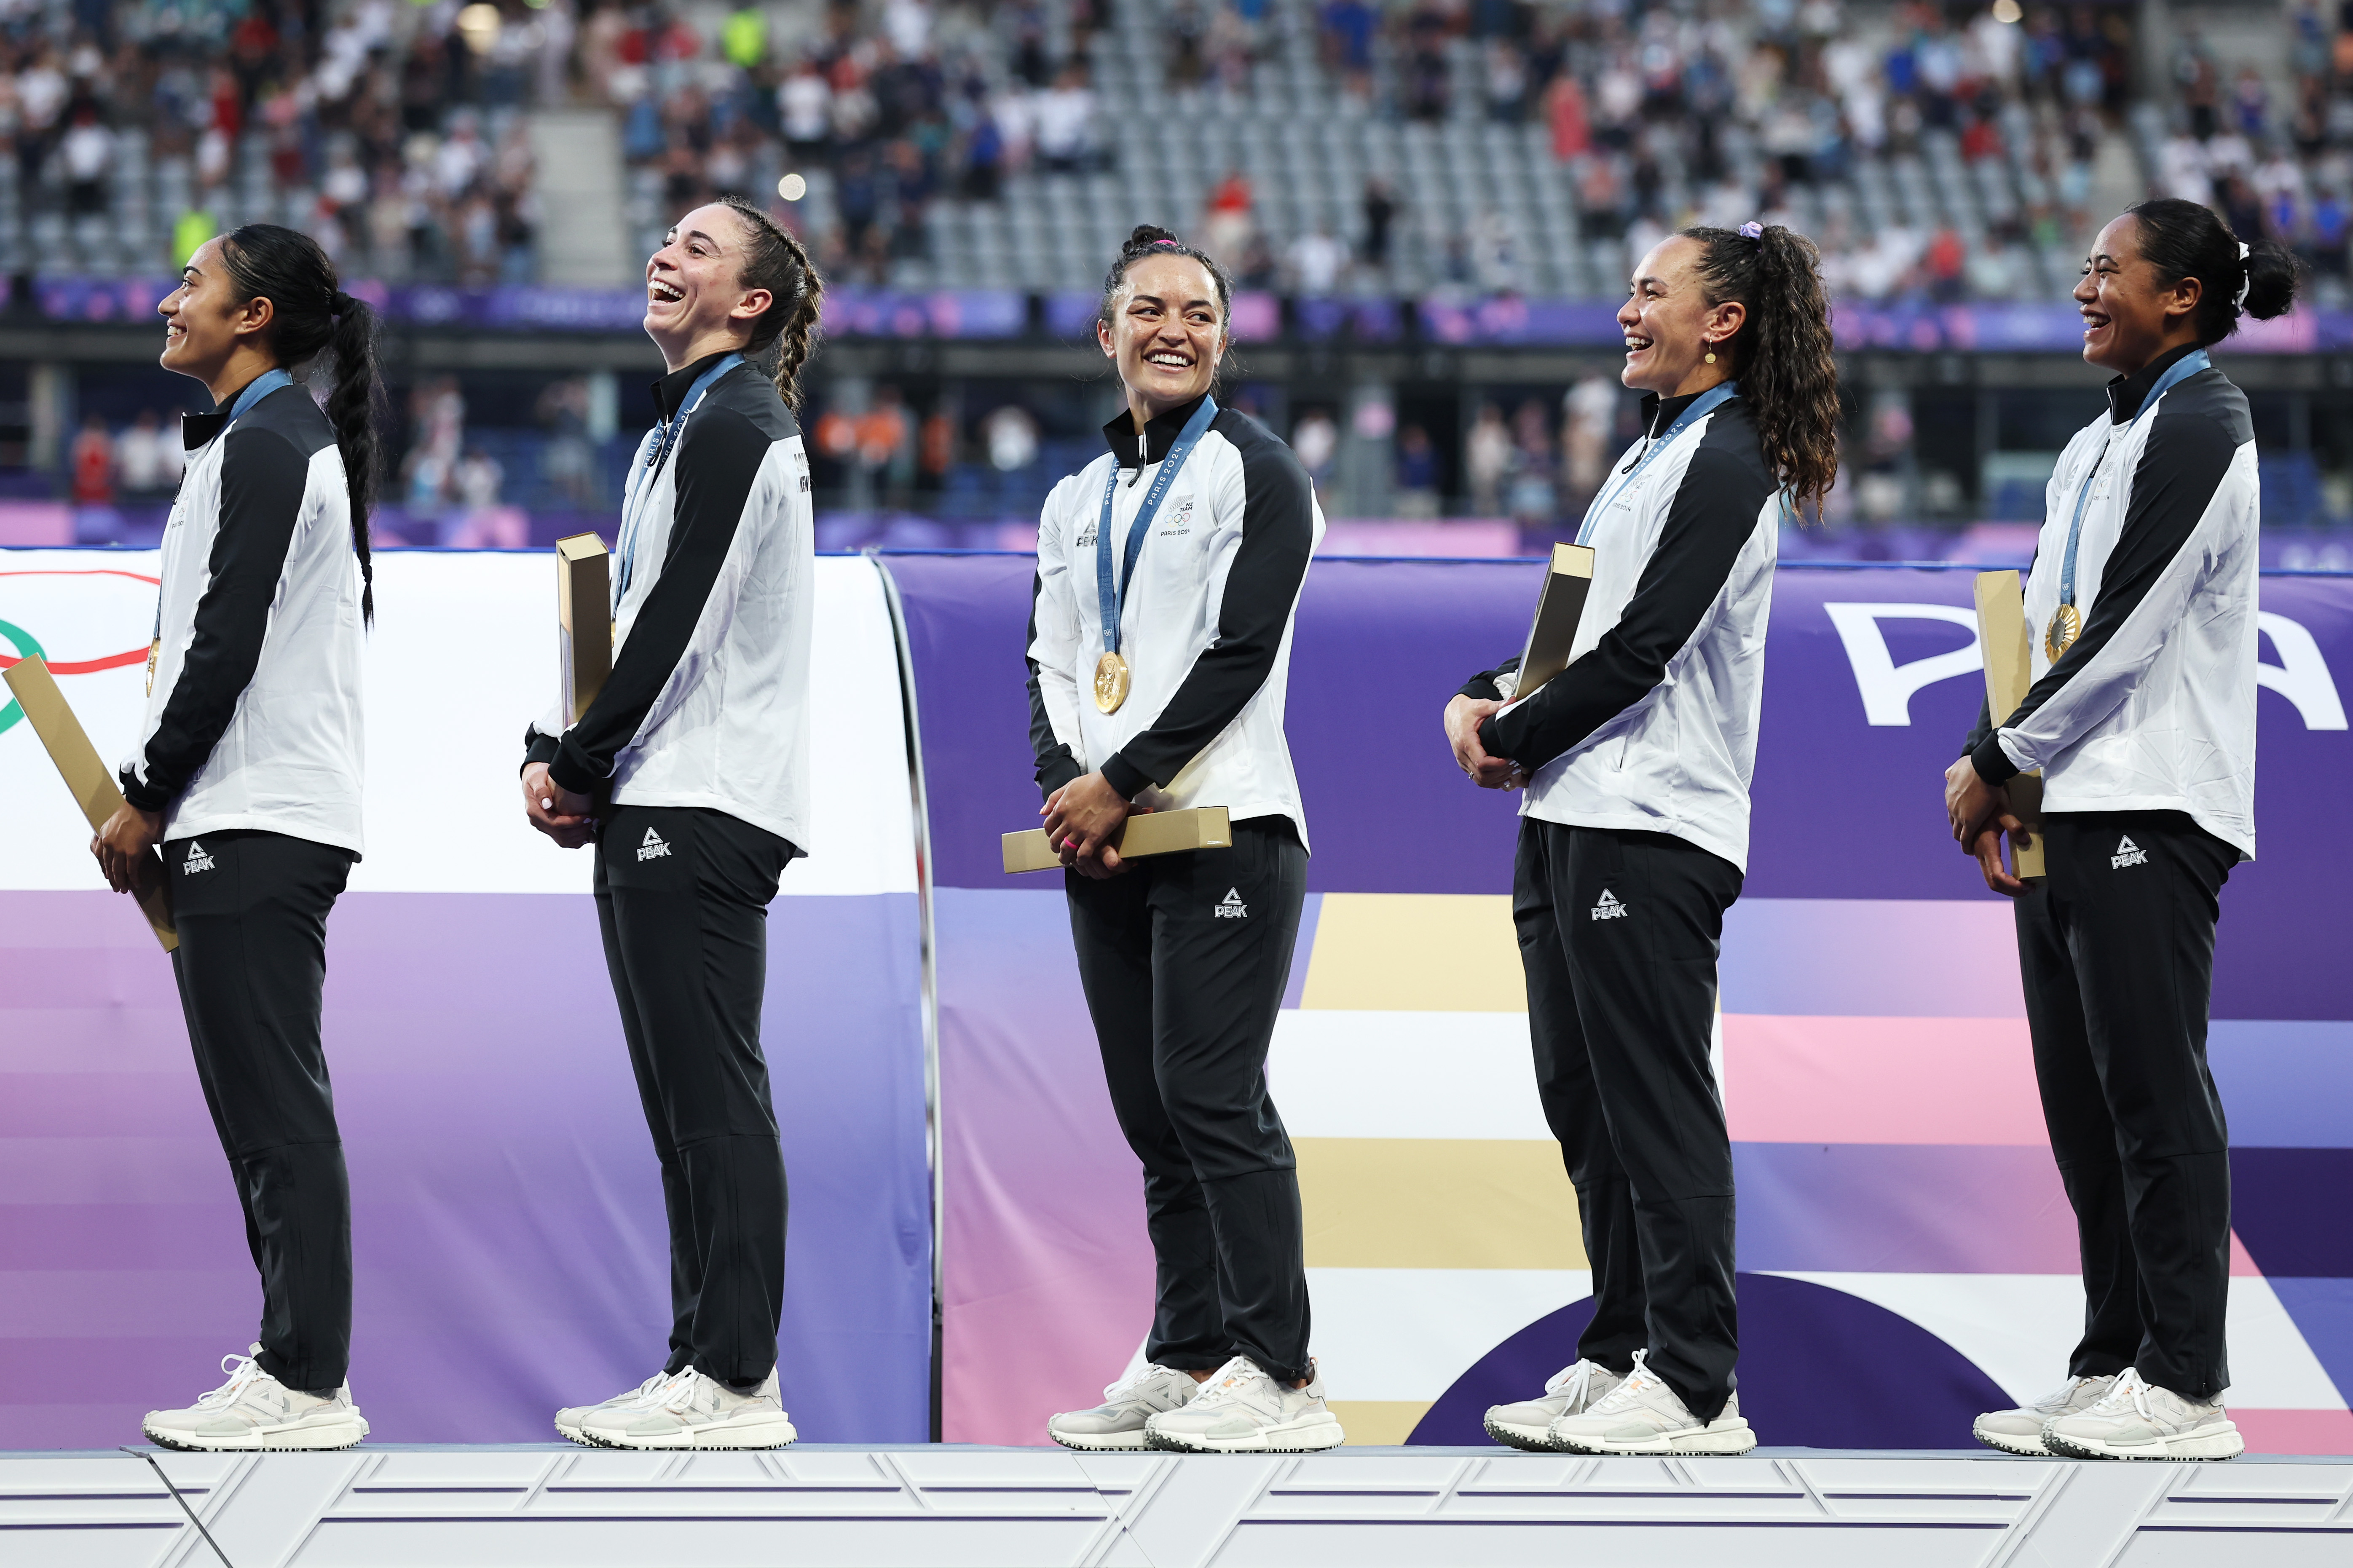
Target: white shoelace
{"x":243,"y":1372}
{"x":2065,"y":1395}
{"x":1623,"y":1396}
{"x":1114,"y":1392}
{"x":2129,"y":1393}
{"x":1231,"y":1380}
{"x":649,"y":1392}
{"x":1576,"y":1382}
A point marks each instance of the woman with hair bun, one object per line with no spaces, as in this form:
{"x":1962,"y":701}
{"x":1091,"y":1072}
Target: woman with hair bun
{"x":1634,"y":833}
{"x":1169,"y":575}
{"x":2141,"y":619}
{"x":247,"y":775}
{"x":690,"y":772}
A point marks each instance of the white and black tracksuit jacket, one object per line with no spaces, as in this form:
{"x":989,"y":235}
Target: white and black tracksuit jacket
{"x":707,"y":701}
{"x":253,"y":715}
{"x":1653,"y":725}
{"x":2153,"y":706}
{"x":1206,"y":627}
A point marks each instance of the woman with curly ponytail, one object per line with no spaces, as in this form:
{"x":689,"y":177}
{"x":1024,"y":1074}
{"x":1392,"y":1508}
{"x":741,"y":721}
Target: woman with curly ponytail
{"x":690,"y":772}
{"x":1634,"y":833}
{"x":247,"y":774}
{"x":2141,"y":619}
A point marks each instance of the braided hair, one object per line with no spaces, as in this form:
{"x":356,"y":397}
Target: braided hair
{"x":1149,"y":240}
{"x":775,"y":260}
{"x":311,"y":312}
{"x":1781,"y":355}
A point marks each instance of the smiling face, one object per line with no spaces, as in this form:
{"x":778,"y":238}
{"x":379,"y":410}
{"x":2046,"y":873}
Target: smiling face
{"x":696,"y":302}
{"x":205,"y":323}
{"x":1166,"y":332}
{"x":1671,"y":328}
{"x":2129,"y":319}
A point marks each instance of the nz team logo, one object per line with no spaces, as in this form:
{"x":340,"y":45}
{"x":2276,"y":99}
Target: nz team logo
{"x":2127,"y":853}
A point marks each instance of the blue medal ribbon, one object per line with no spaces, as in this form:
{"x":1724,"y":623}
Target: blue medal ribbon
{"x":656,"y":451}
{"x":2181,"y":370}
{"x":1706,"y":403}
{"x":1112,"y":597}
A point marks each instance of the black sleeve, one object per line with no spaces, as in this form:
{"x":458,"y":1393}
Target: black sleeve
{"x":2189,"y":453}
{"x":1482,"y":685}
{"x":1262,"y":587}
{"x":1056,"y":765}
{"x":717,"y":459}
{"x":538,"y":747}
{"x":1983,"y":728}
{"x":263,"y":476}
{"x":1714,"y":514}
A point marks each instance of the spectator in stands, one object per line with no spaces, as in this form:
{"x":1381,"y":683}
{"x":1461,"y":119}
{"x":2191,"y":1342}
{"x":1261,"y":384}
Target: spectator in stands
{"x":1066,"y":123}
{"x":1225,"y":226}
{"x":1346,"y":28}
{"x":147,"y":457}
{"x":1487,"y":453}
{"x":1419,"y":481}
{"x":1380,"y":211}
{"x":93,"y":463}
{"x":87,"y":151}
{"x":1317,"y":261}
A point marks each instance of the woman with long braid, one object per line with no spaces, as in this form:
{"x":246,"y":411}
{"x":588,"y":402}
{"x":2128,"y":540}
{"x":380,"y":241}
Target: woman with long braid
{"x":690,"y":772}
{"x":1634,"y":833}
{"x":247,"y":774}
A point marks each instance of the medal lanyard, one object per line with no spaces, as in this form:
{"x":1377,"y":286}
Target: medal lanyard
{"x":1706,"y":403}
{"x":1112,"y":598}
{"x":261,"y":387}
{"x":2181,"y":370}
{"x":662,"y":437}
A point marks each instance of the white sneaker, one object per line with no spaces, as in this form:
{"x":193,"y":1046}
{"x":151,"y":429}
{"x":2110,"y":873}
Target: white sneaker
{"x":568,"y":1419}
{"x":1243,"y":1410}
{"x":2141,"y":1421}
{"x":2020,"y":1431}
{"x":1643,"y":1415}
{"x":1118,"y":1421}
{"x":692,"y":1411}
{"x":253,"y":1410}
{"x":1571,"y":1392}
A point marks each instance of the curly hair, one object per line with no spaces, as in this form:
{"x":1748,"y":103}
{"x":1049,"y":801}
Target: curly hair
{"x":1781,"y":355}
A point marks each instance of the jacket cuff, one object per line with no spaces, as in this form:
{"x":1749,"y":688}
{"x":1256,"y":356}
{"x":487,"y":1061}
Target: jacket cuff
{"x":1055,"y":771}
{"x":570,"y":768}
{"x":1993,"y":764}
{"x":145,"y":796}
{"x":1487,"y":741}
{"x":1125,"y":777}
{"x":1483,"y":687}
{"x":538,"y":748}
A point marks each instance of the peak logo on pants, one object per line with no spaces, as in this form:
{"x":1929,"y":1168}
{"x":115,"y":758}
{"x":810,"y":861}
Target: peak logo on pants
{"x":651,"y":848}
{"x":197,"y":860}
{"x":1608,"y":909}
{"x":1231,"y":907}
{"x":2127,"y":853}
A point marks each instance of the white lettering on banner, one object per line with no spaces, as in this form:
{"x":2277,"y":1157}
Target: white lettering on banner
{"x":2302,"y":674}
{"x":1885,"y":685}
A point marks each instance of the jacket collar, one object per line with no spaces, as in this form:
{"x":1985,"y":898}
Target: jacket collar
{"x":2127,"y":392}
{"x":196,"y":429}
{"x":671,"y":390}
{"x":1658,"y":413}
{"x":1159,"y":434}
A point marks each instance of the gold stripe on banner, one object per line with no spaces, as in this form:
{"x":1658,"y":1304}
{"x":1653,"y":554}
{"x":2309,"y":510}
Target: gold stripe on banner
{"x":1438,"y":1203}
{"x":1380,"y":1423}
{"x":1420,"y":953}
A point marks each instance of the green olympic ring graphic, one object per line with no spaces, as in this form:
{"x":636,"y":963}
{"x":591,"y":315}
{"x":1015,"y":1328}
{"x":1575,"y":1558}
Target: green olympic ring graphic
{"x":26,"y":647}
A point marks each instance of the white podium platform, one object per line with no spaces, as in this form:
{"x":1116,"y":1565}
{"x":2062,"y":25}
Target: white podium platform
{"x":850,"y":1508}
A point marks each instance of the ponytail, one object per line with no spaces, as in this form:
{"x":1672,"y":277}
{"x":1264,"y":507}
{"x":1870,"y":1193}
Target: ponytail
{"x":310,"y":313}
{"x":775,"y":259}
{"x":2182,"y":239}
{"x":1782,"y":355}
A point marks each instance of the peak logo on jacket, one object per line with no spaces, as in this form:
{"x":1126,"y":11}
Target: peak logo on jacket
{"x":1610,"y":908}
{"x":2127,"y":853}
{"x":1231,"y":907}
{"x":197,"y":860}
{"x":651,"y":848}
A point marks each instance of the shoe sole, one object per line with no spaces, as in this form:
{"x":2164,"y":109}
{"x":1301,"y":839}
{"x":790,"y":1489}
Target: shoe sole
{"x":1717,"y":1438}
{"x":1109,"y":1443}
{"x":1534,"y":1439}
{"x":2024,"y":1447}
{"x":2221,"y":1445}
{"x":1305,"y":1440}
{"x":770,"y":1435}
{"x":272,"y":1440}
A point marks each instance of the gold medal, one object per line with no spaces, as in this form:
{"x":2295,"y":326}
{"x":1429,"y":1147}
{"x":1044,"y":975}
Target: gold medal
{"x":2066,"y":626}
{"x":154,"y":652}
{"x":1111,"y":683}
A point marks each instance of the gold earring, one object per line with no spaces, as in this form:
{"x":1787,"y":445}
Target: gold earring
{"x":1711,"y":356}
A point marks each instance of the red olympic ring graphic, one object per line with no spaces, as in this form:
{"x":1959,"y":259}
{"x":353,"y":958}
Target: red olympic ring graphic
{"x":87,"y":666}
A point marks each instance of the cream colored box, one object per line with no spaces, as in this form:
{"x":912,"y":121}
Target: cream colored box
{"x":584,"y":620}
{"x":1147,"y":833}
{"x":1560,"y":606}
{"x":2009,"y":672}
{"x":89,"y":779}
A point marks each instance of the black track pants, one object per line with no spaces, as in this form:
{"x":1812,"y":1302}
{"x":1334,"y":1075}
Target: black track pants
{"x":251,"y":908}
{"x":682,"y":899}
{"x":2116,"y":949}
{"x":1184,"y":959}
{"x":1619,"y":932}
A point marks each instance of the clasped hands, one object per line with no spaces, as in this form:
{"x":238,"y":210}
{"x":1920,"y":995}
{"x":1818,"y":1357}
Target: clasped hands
{"x":1979,"y":813}
{"x":125,"y":846}
{"x":1081,"y":818}
{"x":1463,"y":717}
{"x":563,"y":816}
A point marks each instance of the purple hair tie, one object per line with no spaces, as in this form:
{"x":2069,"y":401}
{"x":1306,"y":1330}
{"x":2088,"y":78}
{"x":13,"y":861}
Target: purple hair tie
{"x":1752,"y":230}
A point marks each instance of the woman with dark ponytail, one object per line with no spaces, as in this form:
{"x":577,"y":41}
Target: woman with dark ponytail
{"x":247,"y":775}
{"x":1634,"y":833}
{"x":2141,"y":626}
{"x":690,"y":772}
